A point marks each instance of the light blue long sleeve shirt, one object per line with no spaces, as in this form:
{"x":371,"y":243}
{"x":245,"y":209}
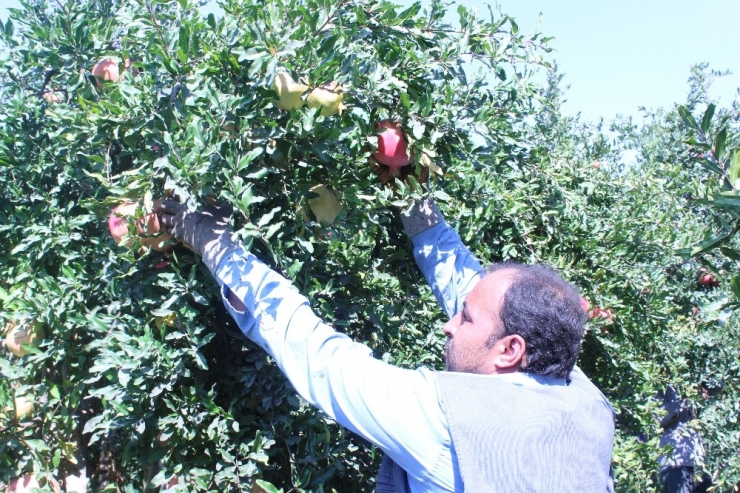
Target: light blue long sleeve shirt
{"x":398,"y":410}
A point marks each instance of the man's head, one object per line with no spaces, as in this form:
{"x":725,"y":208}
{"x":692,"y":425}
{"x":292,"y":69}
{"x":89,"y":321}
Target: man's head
{"x":517,"y":318}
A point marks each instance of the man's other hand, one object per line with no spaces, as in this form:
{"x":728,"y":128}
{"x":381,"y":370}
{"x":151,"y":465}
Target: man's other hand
{"x":206,"y":232}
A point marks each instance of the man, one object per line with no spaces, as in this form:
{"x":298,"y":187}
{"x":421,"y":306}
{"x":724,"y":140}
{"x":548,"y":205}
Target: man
{"x":677,"y":469}
{"x":510,"y":414}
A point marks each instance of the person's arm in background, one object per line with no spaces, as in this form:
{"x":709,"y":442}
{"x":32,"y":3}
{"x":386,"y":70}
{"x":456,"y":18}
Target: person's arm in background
{"x":449,"y":267}
{"x":395,"y":409}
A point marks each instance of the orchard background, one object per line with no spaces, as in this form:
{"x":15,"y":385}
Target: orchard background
{"x":142,"y":382}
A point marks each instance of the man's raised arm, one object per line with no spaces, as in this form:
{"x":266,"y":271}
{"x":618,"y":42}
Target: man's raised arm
{"x":396,"y":409}
{"x":448,"y":266}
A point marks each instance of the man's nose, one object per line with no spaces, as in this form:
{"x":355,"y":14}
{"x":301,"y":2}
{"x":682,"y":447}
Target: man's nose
{"x":451,"y":326}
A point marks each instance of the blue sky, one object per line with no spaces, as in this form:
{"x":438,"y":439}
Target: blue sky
{"x":618,"y":56}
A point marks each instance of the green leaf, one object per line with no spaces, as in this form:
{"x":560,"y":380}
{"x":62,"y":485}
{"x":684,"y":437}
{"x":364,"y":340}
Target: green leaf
{"x":735,"y":285}
{"x":687,"y":117}
{"x":711,"y":243}
{"x":184,"y":43}
{"x":727,"y":200}
{"x":706,"y":121}
{"x":710,"y":166}
{"x":268,"y":487}
{"x":734,"y":170}
{"x":730,"y":253}
{"x":37,"y":445}
{"x":719,"y":144}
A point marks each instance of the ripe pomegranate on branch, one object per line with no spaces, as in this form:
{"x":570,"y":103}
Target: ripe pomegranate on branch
{"x":27,"y":331}
{"x":393,"y":147}
{"x":707,"y":279}
{"x":148,"y":227}
{"x":289,"y":92}
{"x":602,"y":313}
{"x":107,"y":70}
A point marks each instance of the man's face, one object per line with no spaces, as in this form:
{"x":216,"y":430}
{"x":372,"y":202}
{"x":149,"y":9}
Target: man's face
{"x":469,"y":331}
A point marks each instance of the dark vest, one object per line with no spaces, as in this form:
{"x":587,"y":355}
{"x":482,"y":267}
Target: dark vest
{"x":391,"y":478}
{"x":512,"y":438}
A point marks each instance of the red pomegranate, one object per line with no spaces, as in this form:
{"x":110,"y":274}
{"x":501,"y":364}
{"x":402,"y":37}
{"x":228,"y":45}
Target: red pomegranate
{"x":393,"y":148}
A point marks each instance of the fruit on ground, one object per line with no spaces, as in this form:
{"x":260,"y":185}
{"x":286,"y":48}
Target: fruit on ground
{"x":23,"y":484}
{"x":326,"y":207}
{"x":393,"y":148}
{"x":27,"y":331}
{"x":106,"y":70}
{"x":585,"y":305}
{"x":23,"y":406}
{"x":148,"y":227}
{"x":289,"y":92}
{"x":329,"y":98}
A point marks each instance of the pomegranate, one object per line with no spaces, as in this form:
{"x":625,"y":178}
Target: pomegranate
{"x":128,"y":64}
{"x":393,"y":148}
{"x":26,"y":332}
{"x":708,"y":280}
{"x":150,"y":231}
{"x":173,"y":482}
{"x":602,"y":313}
{"x":105,"y":70}
{"x":52,"y":97}
{"x":155,"y":236}
{"x":118,"y":221}
{"x":23,"y":406}
{"x":288,"y":91}
{"x":23,"y":484}
{"x":329,"y":98}
{"x":326,"y":207}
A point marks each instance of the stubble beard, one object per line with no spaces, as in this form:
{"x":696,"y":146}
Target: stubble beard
{"x":462,"y":359}
{"x":451,"y":363}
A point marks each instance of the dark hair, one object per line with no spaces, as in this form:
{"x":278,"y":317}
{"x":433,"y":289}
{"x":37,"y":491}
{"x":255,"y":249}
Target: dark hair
{"x":546,"y":311}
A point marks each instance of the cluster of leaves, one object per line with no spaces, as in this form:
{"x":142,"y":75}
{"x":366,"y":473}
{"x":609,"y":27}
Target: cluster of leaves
{"x":699,"y":345}
{"x":144,"y":377}
{"x":712,"y":144}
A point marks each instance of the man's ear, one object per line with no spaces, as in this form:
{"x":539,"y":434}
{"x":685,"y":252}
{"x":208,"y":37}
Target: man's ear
{"x":511,"y":353}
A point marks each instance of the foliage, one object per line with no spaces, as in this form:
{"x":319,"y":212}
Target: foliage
{"x":703,"y":346}
{"x":143,"y":375}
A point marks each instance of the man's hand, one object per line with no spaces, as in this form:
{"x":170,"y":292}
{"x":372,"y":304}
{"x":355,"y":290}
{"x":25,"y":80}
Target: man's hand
{"x":424,"y":214}
{"x":206,"y":232}
{"x":389,"y":176}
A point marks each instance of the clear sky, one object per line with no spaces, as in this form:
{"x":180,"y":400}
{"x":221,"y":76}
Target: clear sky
{"x":620,"y":55}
